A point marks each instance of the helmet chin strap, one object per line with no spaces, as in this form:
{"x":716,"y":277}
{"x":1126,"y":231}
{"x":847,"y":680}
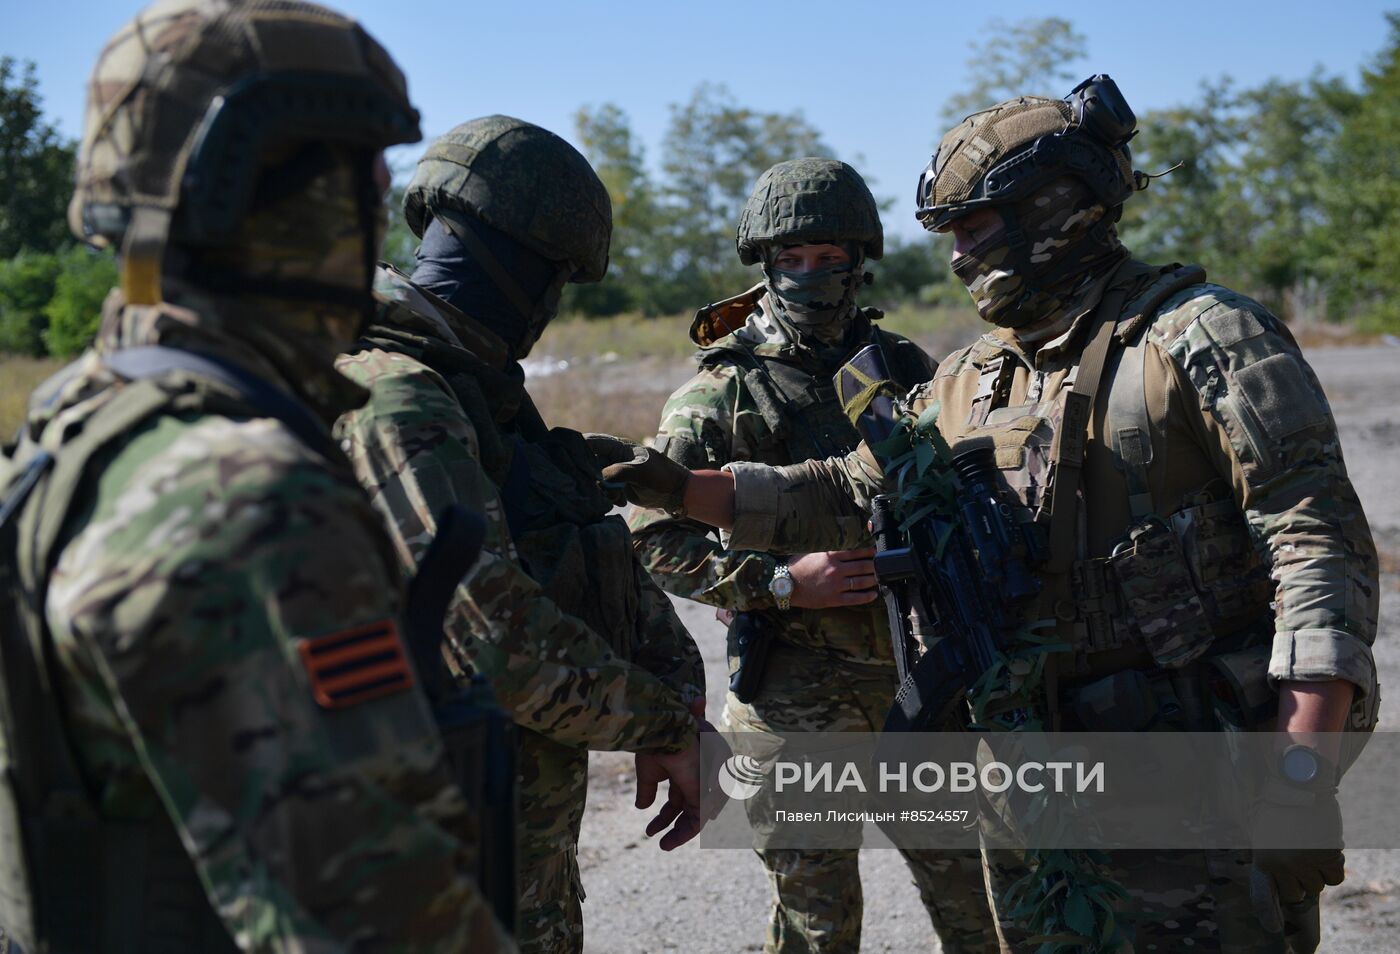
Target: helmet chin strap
{"x":143,"y":255}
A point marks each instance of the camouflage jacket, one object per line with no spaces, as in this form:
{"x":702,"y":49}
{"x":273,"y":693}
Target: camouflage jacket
{"x":1245,"y":467}
{"x":430,"y":436}
{"x":209,"y":556}
{"x":760,"y":397}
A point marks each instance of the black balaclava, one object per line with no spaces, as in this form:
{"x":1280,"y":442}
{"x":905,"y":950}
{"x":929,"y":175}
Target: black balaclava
{"x":448,"y":268}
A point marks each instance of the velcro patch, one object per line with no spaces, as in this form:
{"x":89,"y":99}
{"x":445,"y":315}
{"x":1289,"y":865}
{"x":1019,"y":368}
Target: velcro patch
{"x":356,"y":665}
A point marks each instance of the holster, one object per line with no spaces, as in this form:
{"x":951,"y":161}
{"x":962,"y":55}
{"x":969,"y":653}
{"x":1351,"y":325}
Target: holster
{"x":751,"y":641}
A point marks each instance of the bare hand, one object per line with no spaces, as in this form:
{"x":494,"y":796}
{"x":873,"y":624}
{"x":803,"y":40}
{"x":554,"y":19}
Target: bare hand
{"x":682,"y":812}
{"x":834,"y":578}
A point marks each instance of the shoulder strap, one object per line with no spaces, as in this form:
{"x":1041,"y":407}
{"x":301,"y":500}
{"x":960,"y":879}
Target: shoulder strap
{"x":150,"y":361}
{"x":1067,"y":454}
{"x":1128,"y":431}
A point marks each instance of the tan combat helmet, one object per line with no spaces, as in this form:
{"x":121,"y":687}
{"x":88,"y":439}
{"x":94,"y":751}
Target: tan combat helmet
{"x":1002,"y":154}
{"x":189,"y":97}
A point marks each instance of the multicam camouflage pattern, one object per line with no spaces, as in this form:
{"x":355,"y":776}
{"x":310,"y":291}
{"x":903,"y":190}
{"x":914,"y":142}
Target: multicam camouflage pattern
{"x":954,"y":181}
{"x":817,"y":901}
{"x":524,"y":181}
{"x":214,"y":547}
{"x":1234,"y":414}
{"x":580,"y":663}
{"x":809,"y":200}
{"x":1183,"y":901}
{"x":1036,"y":289}
{"x":178,"y":55}
{"x":762,"y":396}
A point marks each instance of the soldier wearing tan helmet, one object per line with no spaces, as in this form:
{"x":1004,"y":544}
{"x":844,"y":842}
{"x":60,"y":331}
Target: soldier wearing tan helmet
{"x":1177,"y":453}
{"x":213,"y":735}
{"x":573,"y":636}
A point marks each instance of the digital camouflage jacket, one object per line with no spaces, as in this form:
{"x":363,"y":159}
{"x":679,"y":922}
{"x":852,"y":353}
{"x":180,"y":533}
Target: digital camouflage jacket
{"x":596,"y":667}
{"x":207,"y":556}
{"x":760,"y":397}
{"x":1243,"y":466}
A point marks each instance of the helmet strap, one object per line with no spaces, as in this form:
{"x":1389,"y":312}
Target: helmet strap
{"x":143,"y":255}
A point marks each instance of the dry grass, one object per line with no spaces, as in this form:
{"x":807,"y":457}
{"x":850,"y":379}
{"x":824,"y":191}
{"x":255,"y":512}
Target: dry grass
{"x":19,"y":376}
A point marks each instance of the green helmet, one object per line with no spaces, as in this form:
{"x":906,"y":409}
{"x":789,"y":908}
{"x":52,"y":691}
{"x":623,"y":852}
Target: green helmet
{"x":809,"y":200}
{"x":524,"y":181}
{"x":187,"y":100}
{"x":1003,"y":154}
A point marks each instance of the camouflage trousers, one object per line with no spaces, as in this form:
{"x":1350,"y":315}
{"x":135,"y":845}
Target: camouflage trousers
{"x":1180,"y":901}
{"x":817,"y":899}
{"x":553,"y":786}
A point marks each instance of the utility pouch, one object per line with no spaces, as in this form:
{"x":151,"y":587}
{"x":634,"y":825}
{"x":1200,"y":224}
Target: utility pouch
{"x":1240,"y":690}
{"x":750,"y":641}
{"x":1119,"y":702}
{"x":1229,"y":573}
{"x":1155,"y":583}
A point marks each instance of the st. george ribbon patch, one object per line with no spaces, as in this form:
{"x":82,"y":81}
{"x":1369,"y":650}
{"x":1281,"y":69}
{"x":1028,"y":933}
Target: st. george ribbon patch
{"x":356,"y":665}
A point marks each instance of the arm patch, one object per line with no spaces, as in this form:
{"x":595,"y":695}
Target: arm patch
{"x":356,"y":665}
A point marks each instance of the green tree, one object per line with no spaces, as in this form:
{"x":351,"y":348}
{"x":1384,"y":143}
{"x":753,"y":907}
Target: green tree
{"x":36,"y":167}
{"x":912,"y":270}
{"x":637,"y":269}
{"x":26,"y":285}
{"x":1361,"y":240}
{"x":1036,"y":55}
{"x":85,"y":277}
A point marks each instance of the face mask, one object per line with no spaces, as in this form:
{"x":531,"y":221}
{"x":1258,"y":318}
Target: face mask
{"x":1064,"y":245}
{"x":818,"y":301}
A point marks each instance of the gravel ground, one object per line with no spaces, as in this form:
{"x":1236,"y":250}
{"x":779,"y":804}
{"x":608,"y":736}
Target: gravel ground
{"x":715,"y":901}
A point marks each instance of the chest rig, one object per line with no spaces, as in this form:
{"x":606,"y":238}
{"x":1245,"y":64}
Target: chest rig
{"x":559,"y":518}
{"x":1182,"y":574}
{"x":805,"y":421}
{"x":799,"y":405}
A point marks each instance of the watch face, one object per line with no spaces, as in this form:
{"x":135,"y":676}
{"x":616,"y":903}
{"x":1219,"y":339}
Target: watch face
{"x":1300,"y":765}
{"x":782,"y":587}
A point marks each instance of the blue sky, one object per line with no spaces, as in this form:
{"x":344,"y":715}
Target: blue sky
{"x":871,"y":76}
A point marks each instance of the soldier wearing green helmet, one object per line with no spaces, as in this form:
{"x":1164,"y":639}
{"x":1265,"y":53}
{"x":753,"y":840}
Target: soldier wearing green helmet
{"x":820,"y":657}
{"x":206,"y":701}
{"x":557,"y":614}
{"x":1170,"y":441}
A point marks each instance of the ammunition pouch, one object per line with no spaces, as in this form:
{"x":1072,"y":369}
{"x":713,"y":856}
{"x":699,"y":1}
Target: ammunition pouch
{"x":1138,"y":700}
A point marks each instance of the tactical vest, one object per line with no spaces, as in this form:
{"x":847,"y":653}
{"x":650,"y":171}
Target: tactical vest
{"x":801,"y":409}
{"x":72,"y":880}
{"x":549,"y":483}
{"x":805,"y":417}
{"x":1177,"y":583}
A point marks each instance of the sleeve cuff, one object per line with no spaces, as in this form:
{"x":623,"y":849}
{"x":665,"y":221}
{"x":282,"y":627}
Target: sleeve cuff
{"x":755,"y":506}
{"x":1320,"y":655}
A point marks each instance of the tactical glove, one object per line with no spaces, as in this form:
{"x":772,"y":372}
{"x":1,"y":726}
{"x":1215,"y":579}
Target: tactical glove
{"x":635,"y":473}
{"x":1308,"y":820}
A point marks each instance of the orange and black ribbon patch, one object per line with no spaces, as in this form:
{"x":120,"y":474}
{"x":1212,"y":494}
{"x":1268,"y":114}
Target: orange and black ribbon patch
{"x":356,"y":665}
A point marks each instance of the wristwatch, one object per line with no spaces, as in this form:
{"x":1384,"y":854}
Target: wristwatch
{"x":781,"y":586}
{"x":1303,"y":767}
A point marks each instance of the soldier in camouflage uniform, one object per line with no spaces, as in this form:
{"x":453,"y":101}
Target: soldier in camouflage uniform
{"x":212,"y":736}
{"x":1198,"y":512}
{"x":576,"y":640}
{"x":764,"y":394}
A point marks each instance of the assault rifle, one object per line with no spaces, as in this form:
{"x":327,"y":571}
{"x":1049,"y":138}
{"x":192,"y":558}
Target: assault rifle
{"x":476,"y":733}
{"x":953,"y":583}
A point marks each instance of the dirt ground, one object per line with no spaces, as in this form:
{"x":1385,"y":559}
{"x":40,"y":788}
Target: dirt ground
{"x":713,"y":901}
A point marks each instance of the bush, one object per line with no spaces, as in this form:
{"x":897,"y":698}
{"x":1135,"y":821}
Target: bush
{"x":26,"y":285}
{"x":76,"y":306}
